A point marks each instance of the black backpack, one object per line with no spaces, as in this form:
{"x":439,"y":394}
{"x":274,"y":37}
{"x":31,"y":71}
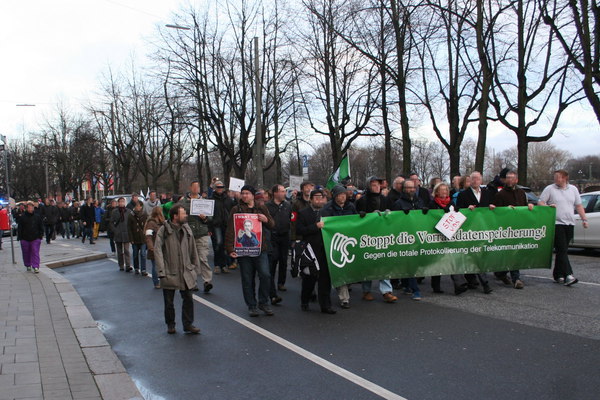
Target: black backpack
{"x":304,"y":260}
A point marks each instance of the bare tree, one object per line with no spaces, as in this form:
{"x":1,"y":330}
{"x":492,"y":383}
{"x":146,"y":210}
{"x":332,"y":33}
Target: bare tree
{"x":530,"y":82}
{"x":340,"y":84}
{"x":576,"y":25}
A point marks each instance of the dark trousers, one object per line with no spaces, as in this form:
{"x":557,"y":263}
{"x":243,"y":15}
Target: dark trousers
{"x":280,"y":245}
{"x":87,"y":232}
{"x":49,"y":230}
{"x":218,"y":245}
{"x":324,"y":288}
{"x":187,"y":308}
{"x":563,"y":234}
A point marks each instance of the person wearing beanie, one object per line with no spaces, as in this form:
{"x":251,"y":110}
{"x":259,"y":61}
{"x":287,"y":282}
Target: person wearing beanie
{"x":252,"y":266}
{"x":337,"y":206}
{"x":374,"y":201}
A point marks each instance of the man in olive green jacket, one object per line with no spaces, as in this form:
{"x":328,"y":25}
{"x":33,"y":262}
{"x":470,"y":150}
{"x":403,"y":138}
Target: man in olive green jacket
{"x":199,"y":225}
{"x":177,"y":265}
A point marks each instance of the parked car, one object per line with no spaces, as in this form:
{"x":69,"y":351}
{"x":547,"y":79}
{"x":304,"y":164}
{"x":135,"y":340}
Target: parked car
{"x":531,"y":197}
{"x":590,"y":237}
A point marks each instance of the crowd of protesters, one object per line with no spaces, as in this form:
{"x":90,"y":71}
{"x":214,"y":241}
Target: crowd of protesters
{"x":161,"y":233}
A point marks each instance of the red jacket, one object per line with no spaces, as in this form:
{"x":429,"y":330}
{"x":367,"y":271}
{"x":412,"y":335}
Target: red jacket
{"x":4,"y":220}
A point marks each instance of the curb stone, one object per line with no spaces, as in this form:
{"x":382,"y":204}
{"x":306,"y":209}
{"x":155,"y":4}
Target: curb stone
{"x":109,"y":373}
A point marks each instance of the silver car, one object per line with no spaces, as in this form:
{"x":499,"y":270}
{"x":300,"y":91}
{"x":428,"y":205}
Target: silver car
{"x":589,"y":237}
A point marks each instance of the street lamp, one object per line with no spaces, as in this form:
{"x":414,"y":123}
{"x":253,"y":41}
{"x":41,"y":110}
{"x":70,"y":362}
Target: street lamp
{"x":173,"y":26}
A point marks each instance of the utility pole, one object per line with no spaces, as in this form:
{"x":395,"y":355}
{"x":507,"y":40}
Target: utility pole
{"x":8,"y":209}
{"x":258,"y":142}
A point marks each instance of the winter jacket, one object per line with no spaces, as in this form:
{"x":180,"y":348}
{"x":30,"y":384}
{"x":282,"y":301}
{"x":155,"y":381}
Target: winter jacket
{"x":87,"y":214}
{"x":150,"y":231}
{"x":331,"y":209}
{"x":199,"y":226}
{"x":65,"y":214}
{"x":135,"y":227}
{"x":371,"y":202}
{"x":298,"y":205}
{"x":282,"y":216}
{"x":467,"y":198}
{"x":50,"y":214}
{"x":176,"y":258}
{"x":510,"y":197}
{"x":243,"y":208}
{"x":406,"y":203}
{"x":118,"y":220}
{"x":98,"y":213}
{"x":223,"y":203}
{"x":149,"y":206}
{"x":30,"y":227}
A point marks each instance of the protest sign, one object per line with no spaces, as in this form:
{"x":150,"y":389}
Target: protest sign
{"x":248,"y":234}
{"x":202,"y":206}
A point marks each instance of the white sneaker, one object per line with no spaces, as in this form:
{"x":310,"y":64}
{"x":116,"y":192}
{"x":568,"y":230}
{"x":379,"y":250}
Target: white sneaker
{"x":559,"y":280}
{"x":570,"y":280}
{"x":36,"y":270}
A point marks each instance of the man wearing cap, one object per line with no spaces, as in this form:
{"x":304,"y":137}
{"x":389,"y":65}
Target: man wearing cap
{"x":218,"y":225}
{"x":373,"y":201}
{"x":309,"y":226}
{"x":251,"y":266}
{"x":281,"y":212}
{"x":337,"y":206}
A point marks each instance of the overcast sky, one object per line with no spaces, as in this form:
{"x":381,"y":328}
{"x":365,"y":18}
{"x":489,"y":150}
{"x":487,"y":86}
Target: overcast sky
{"x":56,"y":51}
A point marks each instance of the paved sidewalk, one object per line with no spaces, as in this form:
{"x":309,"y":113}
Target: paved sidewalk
{"x":50,"y":346}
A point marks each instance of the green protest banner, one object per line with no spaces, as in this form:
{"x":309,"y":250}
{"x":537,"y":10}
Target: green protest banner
{"x":399,"y":245}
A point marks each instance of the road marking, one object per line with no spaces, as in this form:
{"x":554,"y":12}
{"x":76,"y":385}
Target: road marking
{"x":360,"y":381}
{"x":552,"y":279}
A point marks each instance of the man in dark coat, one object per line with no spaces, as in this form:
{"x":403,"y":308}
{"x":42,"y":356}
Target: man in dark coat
{"x":218,"y":225}
{"x":337,"y":206}
{"x":510,"y":196}
{"x":471,"y":198}
{"x":50,"y":216}
{"x":370,"y":202}
{"x":118,"y":220}
{"x":87,"y":213}
{"x":309,"y":226}
{"x":281,"y":212}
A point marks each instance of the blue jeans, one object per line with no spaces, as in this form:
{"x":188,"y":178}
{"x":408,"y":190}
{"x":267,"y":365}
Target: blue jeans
{"x":154,"y":273}
{"x":139,"y":256}
{"x":249,"y":267}
{"x":384,"y":286}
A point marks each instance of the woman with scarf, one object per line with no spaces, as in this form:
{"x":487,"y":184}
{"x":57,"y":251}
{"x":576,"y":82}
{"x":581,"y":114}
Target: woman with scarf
{"x":442,"y":201}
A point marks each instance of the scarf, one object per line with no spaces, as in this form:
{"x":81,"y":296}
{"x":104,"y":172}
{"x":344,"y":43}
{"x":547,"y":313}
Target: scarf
{"x":442,"y":202}
{"x":122,"y":213}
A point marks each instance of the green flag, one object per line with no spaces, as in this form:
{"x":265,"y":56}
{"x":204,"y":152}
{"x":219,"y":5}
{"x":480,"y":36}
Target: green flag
{"x":341,"y":173}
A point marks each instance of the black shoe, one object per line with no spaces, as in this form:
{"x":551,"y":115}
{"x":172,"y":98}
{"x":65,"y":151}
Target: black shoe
{"x":82,"y":240}
{"x":266,"y":309}
{"x":253,"y":312}
{"x":437,"y":289}
{"x":345,"y":305}
{"x":281,"y":288}
{"x":171,"y":329}
{"x":191,"y":329}
{"x":327,"y":310}
{"x":137,"y":271}
{"x":276,"y":300}
{"x":128,"y":269}
{"x":121,"y":269}
{"x":313,"y":298}
{"x":207,"y":287}
{"x":487,"y":289}
{"x":460,"y":289}
{"x":304,"y":307}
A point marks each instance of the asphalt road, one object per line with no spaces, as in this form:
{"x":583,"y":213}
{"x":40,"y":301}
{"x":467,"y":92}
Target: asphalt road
{"x":536,"y":343}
